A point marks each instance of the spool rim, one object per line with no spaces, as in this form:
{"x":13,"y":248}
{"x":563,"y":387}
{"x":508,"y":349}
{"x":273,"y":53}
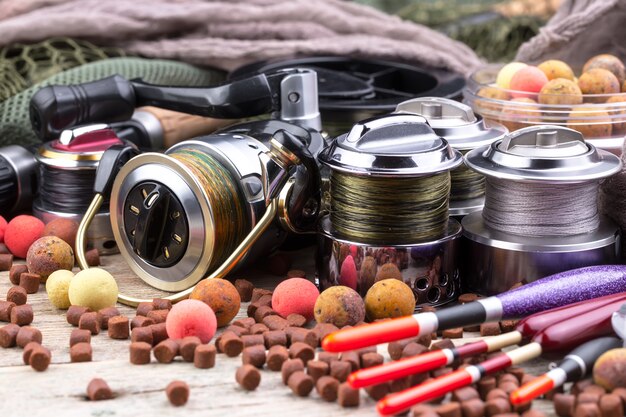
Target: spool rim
{"x":195,"y":263}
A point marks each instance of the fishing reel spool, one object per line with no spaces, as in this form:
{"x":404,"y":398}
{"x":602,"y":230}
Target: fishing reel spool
{"x":463,"y":130}
{"x":547,"y":170}
{"x":396,"y":169}
{"x":210,"y":204}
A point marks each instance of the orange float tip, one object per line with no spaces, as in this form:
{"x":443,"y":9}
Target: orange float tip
{"x":532,"y":390}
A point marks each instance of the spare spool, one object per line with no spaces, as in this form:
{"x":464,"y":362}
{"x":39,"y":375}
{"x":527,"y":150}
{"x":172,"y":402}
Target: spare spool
{"x":540,"y":215}
{"x":389,"y":218}
{"x":464,"y":130}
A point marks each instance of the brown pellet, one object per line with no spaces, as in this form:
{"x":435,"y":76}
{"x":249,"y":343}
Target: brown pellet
{"x":579,"y":386}
{"x":413,"y":349}
{"x":399,"y":384}
{"x":276,"y":356}
{"x":166,"y":351}
{"x":327,"y":357}
{"x":442,"y":344}
{"x":159,"y":333}
{"x":17,"y":295}
{"x":456,"y":333}
{"x":464,"y":394}
{"x":158,"y":316}
{"x":508,"y":377}
{"x":22,"y":315}
{"x":275,"y":337}
{"x":28,"y":349}
{"x":231,"y":344}
{"x":144,"y":308}
{"x":204,"y":357}
{"x":188,"y":347}
{"x":265,"y":300}
{"x":587,"y":397}
{"x":299,"y":334}
{"x":245,"y":322}
{"x":8,"y":335}
{"x":467,"y":298}
{"x":371,"y":359}
{"x":495,"y":393}
{"x":93,"y":257}
{"x":89,"y":321}
{"x":98,"y":390}
{"x":377,"y":392}
{"x":347,"y":396}
{"x":30,"y":282}
{"x":177,"y":393}
{"x":485,"y":385}
{"x":533,"y":413}
{"x":40,"y":358}
{"x":81,"y":352}
{"x":140,"y":321}
{"x":80,"y":336}
{"x":620,"y":392}
{"x":140,"y":353}
{"x":300,"y":383}
{"x":506,"y":415}
{"x":118,"y":328}
{"x":517,"y":372}
{"x":6,"y":261}
{"x":244,"y":288}
{"x":352,"y":358}
{"x":296,"y":273}
{"x":257,"y":293}
{"x":105,"y":314}
{"x":508,"y":386}
{"x":253,"y":339}
{"x":451,"y":409}
{"x":142,"y":334}
{"x":74,"y":313}
{"x":240,"y":331}
{"x":596,"y":389}
{"x":251,"y":310}
{"x":301,"y":351}
{"x":254,"y":355}
{"x":490,"y":329}
{"x":395,"y":348}
{"x":324,"y":329}
{"x":497,"y":406}
{"x":327,"y":387}
{"x":564,"y":404}
{"x":5,"y":310}
{"x":258,"y":328}
{"x":317,"y":369}
{"x":611,"y":406}
{"x":275,"y":322}
{"x":508,"y":325}
{"x":441,"y":372}
{"x":248,"y":377}
{"x":340,"y":370}
{"x":262,"y":312}
{"x":296,"y":320}
{"x":290,"y":366}
{"x":587,"y":410}
{"x":162,"y":304}
{"x":15,"y":272}
{"x":473,"y":408}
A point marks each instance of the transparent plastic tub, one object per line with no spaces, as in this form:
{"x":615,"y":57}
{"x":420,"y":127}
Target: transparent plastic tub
{"x":601,"y":118}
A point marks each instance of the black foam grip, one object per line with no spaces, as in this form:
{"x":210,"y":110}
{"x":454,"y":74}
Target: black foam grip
{"x":461,"y":315}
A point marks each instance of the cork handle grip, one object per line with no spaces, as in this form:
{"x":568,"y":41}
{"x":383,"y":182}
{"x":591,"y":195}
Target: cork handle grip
{"x":181,"y":126}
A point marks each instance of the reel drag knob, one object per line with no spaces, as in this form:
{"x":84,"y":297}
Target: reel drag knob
{"x":18,"y":179}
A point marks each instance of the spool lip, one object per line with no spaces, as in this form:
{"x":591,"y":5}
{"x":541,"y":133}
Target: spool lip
{"x":454,"y":231}
{"x":398,"y":144}
{"x":50,"y":156}
{"x":197,"y":258}
{"x":465,"y":207}
{"x":455,"y":122}
{"x":475,"y":230}
{"x":543,"y":154}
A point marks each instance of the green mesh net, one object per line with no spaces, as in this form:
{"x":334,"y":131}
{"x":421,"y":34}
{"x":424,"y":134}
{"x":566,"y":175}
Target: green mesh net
{"x":22,"y":66}
{"x":14,"y":120}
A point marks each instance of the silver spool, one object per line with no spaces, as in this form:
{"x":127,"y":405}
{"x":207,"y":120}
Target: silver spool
{"x":494,"y":260}
{"x":464,"y":130}
{"x":390,"y":147}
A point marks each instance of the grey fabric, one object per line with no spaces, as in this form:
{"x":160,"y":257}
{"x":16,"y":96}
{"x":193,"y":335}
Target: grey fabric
{"x":579,"y":30}
{"x":227,"y":34}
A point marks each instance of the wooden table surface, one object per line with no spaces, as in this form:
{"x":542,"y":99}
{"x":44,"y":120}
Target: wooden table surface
{"x":140,"y":389}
